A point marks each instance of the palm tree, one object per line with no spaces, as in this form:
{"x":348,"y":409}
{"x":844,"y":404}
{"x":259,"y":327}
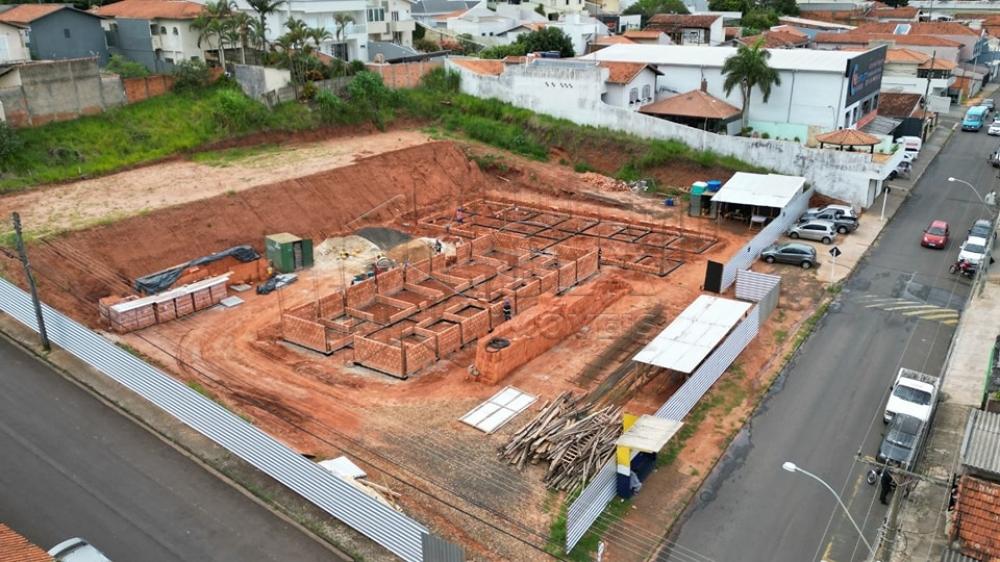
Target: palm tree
{"x":318,"y":35}
{"x":264,"y":8}
{"x":241,"y":27}
{"x":214,"y":21}
{"x":342,"y":19}
{"x":748,"y":68}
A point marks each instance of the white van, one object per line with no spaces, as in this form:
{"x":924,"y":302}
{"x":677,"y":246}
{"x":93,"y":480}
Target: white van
{"x":912,"y":146}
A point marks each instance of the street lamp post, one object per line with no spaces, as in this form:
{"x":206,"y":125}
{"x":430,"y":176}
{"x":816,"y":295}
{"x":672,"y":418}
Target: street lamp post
{"x":791,"y":467}
{"x":990,"y":197}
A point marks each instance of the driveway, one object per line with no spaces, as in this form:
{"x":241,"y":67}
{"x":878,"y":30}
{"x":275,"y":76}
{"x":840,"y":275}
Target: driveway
{"x":897,"y":310}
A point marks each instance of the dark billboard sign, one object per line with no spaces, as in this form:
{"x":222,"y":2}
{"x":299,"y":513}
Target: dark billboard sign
{"x":864,"y":74}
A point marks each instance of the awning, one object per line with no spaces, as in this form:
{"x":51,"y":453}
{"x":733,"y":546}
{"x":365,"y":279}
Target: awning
{"x":762,"y":190}
{"x":649,"y":434}
{"x":688,"y":340}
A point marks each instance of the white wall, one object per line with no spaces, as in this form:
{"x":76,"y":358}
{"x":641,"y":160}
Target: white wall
{"x":618,"y":94}
{"x":804,"y":97}
{"x":13,"y":38}
{"x":915,"y":85}
{"x":574,"y":92}
{"x":717,"y":33}
{"x":182,"y":46}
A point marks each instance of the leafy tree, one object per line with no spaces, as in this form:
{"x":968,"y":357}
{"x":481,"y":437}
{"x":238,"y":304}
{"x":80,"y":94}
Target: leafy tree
{"x":649,"y":8}
{"x":548,"y":39}
{"x":426,"y":45}
{"x":263,"y":8}
{"x":342,"y":20}
{"x":126,"y":68}
{"x":419,"y":32}
{"x":369,"y":94}
{"x":540,"y":10}
{"x":500,"y":51}
{"x":748,"y":68}
{"x":467,"y":45}
{"x":728,"y":5}
{"x":760,"y":19}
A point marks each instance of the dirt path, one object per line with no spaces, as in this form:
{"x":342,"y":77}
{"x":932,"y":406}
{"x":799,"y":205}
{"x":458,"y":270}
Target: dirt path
{"x":84,"y":203}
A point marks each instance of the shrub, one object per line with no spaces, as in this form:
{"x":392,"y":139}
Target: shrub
{"x":308,"y":91}
{"x":191,"y":75}
{"x":10,"y":143}
{"x":333,"y":110}
{"x":355,"y":67}
{"x":442,"y":80}
{"x":370,"y":96}
{"x":765,"y":135}
{"x":582,"y":167}
{"x":236,"y":113}
{"x":126,"y":68}
{"x":426,"y":45}
{"x":500,"y":51}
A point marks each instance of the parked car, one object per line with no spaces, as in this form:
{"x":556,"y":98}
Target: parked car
{"x":77,"y":550}
{"x":838,"y":210}
{"x":988,"y":102}
{"x":981,"y":228}
{"x":911,"y":147}
{"x":973,"y":250}
{"x":902,"y":441}
{"x":823,"y":231}
{"x":795,"y":253}
{"x":844,"y":222}
{"x":914,"y":393}
{"x":994,"y":129}
{"x":935,"y":235}
{"x":994,"y":157}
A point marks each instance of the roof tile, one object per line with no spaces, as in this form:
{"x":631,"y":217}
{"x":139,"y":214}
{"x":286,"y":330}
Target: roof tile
{"x":622,"y":72}
{"x":27,"y":13}
{"x":663,"y":22}
{"x":898,"y":105}
{"x":863,"y":38}
{"x":489,"y":67}
{"x":151,"y":9}
{"x":15,"y":548}
{"x":695,"y":103}
{"x":977,"y":517}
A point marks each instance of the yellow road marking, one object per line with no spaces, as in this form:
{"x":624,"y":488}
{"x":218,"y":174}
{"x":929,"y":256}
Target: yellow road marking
{"x":912,"y":306}
{"x":939,"y":316}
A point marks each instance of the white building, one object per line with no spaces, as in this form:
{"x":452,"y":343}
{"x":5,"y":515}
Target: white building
{"x":12,"y":43}
{"x":581,"y":29}
{"x":502,"y":26}
{"x":630,"y":85}
{"x":907,"y":71}
{"x":686,"y":29}
{"x":391,"y":20}
{"x":815,"y":95}
{"x":156,"y":34}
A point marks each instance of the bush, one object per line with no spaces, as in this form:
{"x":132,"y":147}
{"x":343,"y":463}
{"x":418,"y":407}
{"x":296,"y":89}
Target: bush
{"x":126,"y":68}
{"x":548,"y":39}
{"x":236,"y":113}
{"x":441,"y":80}
{"x":356,"y":67}
{"x":426,"y":45}
{"x":501,"y":51}
{"x":371,"y":97}
{"x":10,"y":143}
{"x":333,"y":110}
{"x":191,"y":75}
{"x":582,"y":167}
{"x":765,"y":135}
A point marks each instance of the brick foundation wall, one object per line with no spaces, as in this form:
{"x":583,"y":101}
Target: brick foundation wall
{"x":586,"y":265}
{"x":361,"y":294}
{"x":331,"y":306}
{"x":567,"y":276}
{"x":390,"y":281}
{"x":535,"y":332}
{"x":138,"y":89}
{"x":403,"y":75}
{"x":419,"y":355}
{"x":308,"y":334}
{"x":475,"y":326}
{"x":379,"y":356}
{"x":184,"y":305}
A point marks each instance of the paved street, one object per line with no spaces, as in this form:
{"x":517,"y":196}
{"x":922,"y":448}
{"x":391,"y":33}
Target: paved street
{"x":827,"y":406}
{"x":70,"y":466}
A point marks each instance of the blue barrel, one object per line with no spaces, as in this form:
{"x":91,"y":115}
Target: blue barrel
{"x":669,"y":201}
{"x":698,"y":188}
{"x":714,"y":185}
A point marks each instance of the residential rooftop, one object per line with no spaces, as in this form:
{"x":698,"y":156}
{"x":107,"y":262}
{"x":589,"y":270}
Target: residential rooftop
{"x":151,"y":9}
{"x":862,"y":38}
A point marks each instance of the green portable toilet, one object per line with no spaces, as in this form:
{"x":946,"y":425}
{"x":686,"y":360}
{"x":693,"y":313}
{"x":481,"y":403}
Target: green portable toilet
{"x":288,"y":252}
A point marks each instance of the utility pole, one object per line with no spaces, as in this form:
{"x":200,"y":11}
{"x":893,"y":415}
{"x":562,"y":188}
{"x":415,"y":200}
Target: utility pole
{"x":16,"y":218}
{"x":927,"y":92}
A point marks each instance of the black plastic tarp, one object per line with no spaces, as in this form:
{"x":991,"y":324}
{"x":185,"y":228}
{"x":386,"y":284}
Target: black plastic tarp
{"x":163,"y":280}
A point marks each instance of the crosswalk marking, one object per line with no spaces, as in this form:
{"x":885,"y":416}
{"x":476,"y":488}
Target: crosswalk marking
{"x":911,"y":308}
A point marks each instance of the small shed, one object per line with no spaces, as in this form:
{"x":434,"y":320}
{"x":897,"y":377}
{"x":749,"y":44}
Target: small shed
{"x":757,"y":198}
{"x":287,"y":252}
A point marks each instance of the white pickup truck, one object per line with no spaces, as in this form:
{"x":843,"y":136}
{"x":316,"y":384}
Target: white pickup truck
{"x":914,"y":393}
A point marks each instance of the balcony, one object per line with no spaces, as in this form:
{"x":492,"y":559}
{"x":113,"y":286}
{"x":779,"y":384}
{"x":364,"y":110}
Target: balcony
{"x":378,"y":27}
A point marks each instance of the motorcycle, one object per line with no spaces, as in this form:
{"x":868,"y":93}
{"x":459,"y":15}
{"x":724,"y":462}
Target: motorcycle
{"x":964,"y":267}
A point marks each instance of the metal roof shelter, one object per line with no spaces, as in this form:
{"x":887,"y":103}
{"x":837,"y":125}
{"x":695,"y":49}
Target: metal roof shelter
{"x":692,"y":336}
{"x":981,"y":444}
{"x":761,"y":190}
{"x":649,"y":434}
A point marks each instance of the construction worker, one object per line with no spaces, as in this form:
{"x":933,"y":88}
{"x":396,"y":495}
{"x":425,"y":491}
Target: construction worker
{"x":459,"y":216}
{"x":508,"y":310}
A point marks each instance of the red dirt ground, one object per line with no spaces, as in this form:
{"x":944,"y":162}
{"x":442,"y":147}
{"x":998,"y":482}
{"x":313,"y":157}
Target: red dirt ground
{"x":406,"y":433}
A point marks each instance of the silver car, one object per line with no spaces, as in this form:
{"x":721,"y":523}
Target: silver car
{"x":820,"y":230}
{"x":77,"y":550}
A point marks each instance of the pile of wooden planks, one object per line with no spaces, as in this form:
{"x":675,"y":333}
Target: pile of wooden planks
{"x":572,"y":437}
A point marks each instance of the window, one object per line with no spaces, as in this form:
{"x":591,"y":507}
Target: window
{"x":169,"y":60}
{"x":397,"y":37}
{"x":176,"y":32}
{"x":633,"y":95}
{"x":114,"y":27}
{"x":195,"y":57}
{"x":376,"y":14}
{"x":163,"y":30}
{"x":647,"y":92}
{"x":154,"y":30}
{"x":395,"y":16}
{"x":66,"y":33}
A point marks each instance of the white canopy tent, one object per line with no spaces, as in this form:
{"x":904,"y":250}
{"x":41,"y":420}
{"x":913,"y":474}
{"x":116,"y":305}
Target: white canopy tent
{"x":760,"y":190}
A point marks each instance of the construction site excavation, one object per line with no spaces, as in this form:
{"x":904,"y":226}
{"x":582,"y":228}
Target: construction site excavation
{"x":412,"y":313}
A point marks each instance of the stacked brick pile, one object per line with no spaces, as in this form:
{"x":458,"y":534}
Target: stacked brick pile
{"x":128,"y":314}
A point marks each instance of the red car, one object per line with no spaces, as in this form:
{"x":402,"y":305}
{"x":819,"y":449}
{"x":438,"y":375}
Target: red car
{"x":935,"y":235}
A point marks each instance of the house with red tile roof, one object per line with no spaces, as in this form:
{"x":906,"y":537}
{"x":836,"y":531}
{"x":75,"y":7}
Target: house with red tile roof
{"x":907,"y":70}
{"x":15,"y":548}
{"x":648,"y":37}
{"x":156,"y":33}
{"x":951,"y":30}
{"x":782,"y":38}
{"x":946,"y":49}
{"x":687,"y":29}
{"x":699,"y":109}
{"x":57,"y":31}
{"x":629,"y":84}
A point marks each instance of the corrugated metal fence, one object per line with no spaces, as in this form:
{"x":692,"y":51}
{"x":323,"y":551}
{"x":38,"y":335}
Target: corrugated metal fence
{"x":752,"y":249}
{"x":589,"y":505}
{"x":760,"y":288}
{"x":393,"y":530}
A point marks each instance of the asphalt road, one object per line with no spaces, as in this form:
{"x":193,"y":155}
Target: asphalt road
{"x":72,"y":467}
{"x":827,"y":405}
